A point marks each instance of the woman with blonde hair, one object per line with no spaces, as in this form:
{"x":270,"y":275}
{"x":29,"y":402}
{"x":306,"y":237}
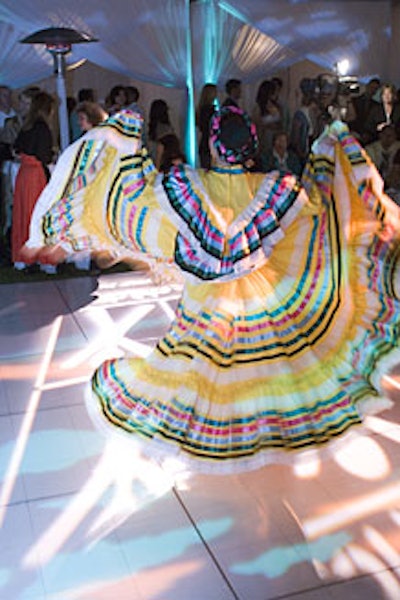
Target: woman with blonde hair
{"x":386,"y":111}
{"x":90,"y":114}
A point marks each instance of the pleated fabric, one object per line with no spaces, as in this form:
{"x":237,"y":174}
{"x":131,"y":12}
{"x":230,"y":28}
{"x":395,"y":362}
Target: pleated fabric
{"x":289,"y":315}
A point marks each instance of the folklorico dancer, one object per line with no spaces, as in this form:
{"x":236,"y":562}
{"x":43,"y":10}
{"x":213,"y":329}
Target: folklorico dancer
{"x":290,"y":308}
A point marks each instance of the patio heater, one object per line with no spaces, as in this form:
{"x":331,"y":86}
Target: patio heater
{"x":58,"y":41}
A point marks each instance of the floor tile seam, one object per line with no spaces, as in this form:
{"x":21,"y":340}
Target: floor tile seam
{"x":298,"y":593}
{"x":362,"y":576}
{"x":207,"y":547}
{"x":72,"y":313}
{"x":331,"y":585}
{"x":310,"y":558}
{"x":48,"y":498}
{"x":46,"y":409}
{"x":11,"y":358}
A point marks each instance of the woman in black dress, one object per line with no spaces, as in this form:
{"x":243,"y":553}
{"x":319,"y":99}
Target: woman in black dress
{"x":34,"y":147}
{"x":205,"y":110}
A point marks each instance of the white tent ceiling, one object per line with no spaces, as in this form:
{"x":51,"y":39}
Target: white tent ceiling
{"x":153,"y":40}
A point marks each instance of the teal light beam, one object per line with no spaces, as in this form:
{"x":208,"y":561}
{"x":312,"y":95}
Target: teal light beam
{"x":190,"y":136}
{"x":234,"y":12}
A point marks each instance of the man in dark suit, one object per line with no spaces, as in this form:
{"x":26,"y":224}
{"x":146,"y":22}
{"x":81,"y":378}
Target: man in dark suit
{"x":233,"y":90}
{"x":362,"y":105}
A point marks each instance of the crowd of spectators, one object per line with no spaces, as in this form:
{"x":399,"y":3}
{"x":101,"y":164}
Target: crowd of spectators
{"x":285,"y":136}
{"x":372,"y":112}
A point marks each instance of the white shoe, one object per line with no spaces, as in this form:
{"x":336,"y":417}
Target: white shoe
{"x":19,"y":266}
{"x":49,"y":269}
{"x":82,"y":263}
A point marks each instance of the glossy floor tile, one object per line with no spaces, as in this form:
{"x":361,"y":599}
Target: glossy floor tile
{"x":83,"y":516}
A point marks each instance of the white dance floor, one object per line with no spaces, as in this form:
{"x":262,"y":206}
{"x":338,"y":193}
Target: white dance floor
{"x":83,"y":517}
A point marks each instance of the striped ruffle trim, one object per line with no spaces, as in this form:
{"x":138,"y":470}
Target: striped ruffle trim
{"x":122,"y":210}
{"x":219,"y":439}
{"x":126,"y":123}
{"x":209,"y":253}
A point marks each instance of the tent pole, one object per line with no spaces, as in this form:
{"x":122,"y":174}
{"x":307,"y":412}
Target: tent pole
{"x":58,"y":41}
{"x":59,"y":71}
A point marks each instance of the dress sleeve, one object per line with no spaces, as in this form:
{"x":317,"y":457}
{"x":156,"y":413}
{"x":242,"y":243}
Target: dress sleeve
{"x":337,"y":155}
{"x":100,"y":198}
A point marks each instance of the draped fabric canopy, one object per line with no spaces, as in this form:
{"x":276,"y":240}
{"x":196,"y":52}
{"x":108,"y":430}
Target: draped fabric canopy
{"x":168,"y":42}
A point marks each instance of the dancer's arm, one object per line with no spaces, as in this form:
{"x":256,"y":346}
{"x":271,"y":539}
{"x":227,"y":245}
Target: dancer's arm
{"x":101,"y":199}
{"x":337,"y":153}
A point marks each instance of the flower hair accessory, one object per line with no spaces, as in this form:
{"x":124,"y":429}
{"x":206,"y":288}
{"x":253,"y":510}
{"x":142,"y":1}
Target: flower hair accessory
{"x":233,"y":135}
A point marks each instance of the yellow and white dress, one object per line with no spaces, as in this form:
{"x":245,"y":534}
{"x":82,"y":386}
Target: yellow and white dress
{"x":289,"y":313}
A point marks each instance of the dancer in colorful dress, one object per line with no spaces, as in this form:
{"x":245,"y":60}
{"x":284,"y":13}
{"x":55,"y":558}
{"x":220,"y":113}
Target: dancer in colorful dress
{"x":290,"y":309}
